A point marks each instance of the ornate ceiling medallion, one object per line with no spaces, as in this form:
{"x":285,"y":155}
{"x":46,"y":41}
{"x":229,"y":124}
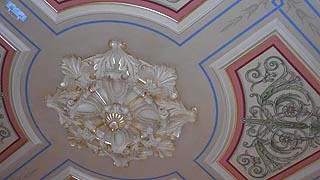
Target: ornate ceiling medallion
{"x":120,"y":106}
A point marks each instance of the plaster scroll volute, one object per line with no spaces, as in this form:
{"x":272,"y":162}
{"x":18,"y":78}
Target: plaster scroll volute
{"x":120,"y":106}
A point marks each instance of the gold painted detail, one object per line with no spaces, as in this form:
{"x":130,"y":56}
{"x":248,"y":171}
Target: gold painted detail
{"x":120,"y":106}
{"x":114,"y":121}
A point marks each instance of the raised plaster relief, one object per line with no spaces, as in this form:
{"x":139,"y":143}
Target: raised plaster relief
{"x":120,"y":106}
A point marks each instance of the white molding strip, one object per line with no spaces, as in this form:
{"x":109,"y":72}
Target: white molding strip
{"x":77,"y":174}
{"x":174,"y":4}
{"x":71,"y":171}
{"x":130,"y":10}
{"x":219,"y":66}
{"x":19,"y":61}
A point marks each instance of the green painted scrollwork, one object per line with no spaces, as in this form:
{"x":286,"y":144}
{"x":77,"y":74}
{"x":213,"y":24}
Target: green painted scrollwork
{"x":4,"y":131}
{"x":283,"y":123}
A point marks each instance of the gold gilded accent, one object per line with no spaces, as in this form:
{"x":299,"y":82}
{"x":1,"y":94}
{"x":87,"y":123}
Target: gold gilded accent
{"x":93,"y":130}
{"x":135,"y":128}
{"x":78,"y":89}
{"x":81,"y":126}
{"x":92,"y":76}
{"x":156,"y":135}
{"x":156,"y":97}
{"x":99,"y":125}
{"x":134,"y":100}
{"x":108,"y":124}
{"x":91,"y":90}
{"x":114,"y":121}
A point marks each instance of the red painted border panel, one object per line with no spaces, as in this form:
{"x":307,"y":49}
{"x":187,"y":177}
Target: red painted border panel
{"x":176,"y":15}
{"x":5,"y":88}
{"x":273,"y":41}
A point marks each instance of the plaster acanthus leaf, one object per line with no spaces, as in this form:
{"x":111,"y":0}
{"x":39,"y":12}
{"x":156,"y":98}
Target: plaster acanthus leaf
{"x":120,"y":106}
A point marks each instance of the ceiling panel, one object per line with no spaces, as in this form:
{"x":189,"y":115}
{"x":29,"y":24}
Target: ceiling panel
{"x":212,"y":49}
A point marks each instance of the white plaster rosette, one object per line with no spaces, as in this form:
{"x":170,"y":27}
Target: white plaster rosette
{"x":120,"y":106}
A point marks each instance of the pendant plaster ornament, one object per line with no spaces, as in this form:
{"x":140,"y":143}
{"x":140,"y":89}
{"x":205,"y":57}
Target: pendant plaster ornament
{"x":120,"y":106}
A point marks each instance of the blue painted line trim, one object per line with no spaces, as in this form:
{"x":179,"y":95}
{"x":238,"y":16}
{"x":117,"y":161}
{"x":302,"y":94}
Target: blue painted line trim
{"x":27,"y":92}
{"x":212,"y":86}
{"x":274,"y":2}
{"x":312,"y":7}
{"x":106,"y":176}
{"x":27,"y":100}
{"x":210,"y":22}
{"x":14,"y":10}
{"x":300,"y":31}
{"x":38,"y":17}
{"x":33,"y":119}
{"x":29,"y":160}
{"x":29,"y":68}
{"x":54,"y":169}
{"x":216,"y":109}
{"x":110,"y":21}
{"x":130,"y":23}
{"x":183,"y":178}
{"x":170,"y":39}
{"x":317,"y":178}
{"x":11,"y":24}
{"x":205,"y":170}
{"x":120,"y":22}
{"x":240,"y":34}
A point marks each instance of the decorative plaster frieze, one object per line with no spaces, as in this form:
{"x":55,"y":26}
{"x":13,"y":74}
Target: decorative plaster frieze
{"x":120,"y":106}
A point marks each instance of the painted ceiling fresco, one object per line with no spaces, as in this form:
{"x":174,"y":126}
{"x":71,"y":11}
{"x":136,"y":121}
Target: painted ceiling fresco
{"x":279,"y":114}
{"x":250,"y":68}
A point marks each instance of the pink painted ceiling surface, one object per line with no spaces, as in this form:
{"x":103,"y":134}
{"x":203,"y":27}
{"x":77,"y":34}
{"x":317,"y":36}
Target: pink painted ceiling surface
{"x":232,"y":70}
{"x":5,"y":89}
{"x":176,"y":15}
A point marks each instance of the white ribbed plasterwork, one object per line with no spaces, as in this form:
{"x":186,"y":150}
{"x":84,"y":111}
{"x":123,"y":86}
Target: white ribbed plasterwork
{"x":120,"y":106}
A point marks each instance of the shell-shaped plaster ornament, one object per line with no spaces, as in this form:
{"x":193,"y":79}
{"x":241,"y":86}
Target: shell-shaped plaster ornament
{"x":120,"y":106}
